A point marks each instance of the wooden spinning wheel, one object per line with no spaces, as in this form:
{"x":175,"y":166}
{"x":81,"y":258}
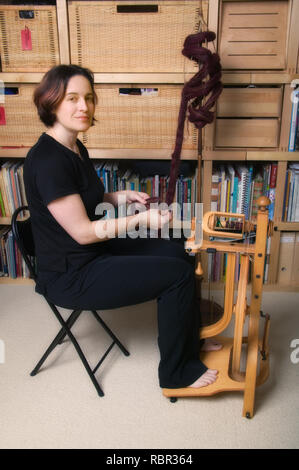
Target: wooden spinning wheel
{"x":227,"y":361}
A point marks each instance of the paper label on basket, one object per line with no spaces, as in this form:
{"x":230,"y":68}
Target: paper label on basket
{"x":2,"y":116}
{"x":26,"y":39}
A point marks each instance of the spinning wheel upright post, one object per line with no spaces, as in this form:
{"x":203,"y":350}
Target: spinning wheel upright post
{"x":228,"y":360}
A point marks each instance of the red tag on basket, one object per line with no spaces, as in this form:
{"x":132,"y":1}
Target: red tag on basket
{"x":2,"y":116}
{"x":26,"y":39}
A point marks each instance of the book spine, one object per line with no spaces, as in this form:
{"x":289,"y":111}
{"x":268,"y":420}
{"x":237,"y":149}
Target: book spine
{"x":293,"y":126}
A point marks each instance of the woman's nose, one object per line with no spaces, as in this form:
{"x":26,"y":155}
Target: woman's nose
{"x":83,"y":105}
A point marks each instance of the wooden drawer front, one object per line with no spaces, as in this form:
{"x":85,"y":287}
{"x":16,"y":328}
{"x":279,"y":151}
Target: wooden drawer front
{"x":134,"y":36}
{"x":253,"y":35}
{"x":250,"y":102}
{"x":28,"y":38}
{"x":147,"y":121}
{"x":247,"y":132}
{"x":20,"y":124}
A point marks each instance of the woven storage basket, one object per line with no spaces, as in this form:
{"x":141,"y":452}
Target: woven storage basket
{"x":44,"y":51}
{"x":138,"y":121}
{"x":23,"y":126}
{"x":107,"y":40}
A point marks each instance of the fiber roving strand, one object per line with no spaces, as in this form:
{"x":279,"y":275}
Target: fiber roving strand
{"x":196,"y":89}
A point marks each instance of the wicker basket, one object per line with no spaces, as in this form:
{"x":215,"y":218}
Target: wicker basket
{"x":147,"y":121}
{"x":23,"y":126}
{"x":115,"y":36}
{"x":40,"y":22}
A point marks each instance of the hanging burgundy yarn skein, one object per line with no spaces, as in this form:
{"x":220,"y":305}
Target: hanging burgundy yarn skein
{"x":196,"y":89}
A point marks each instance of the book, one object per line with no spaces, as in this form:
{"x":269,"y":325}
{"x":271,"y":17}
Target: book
{"x":231,"y":172}
{"x":242,"y":175}
{"x":272,"y":203}
{"x":257,"y":192}
{"x":247,"y":196}
{"x":294,"y":121}
{"x":291,"y":197}
{"x":3,"y":193}
{"x":215,"y":190}
{"x":273,"y":175}
{"x":3,"y":236}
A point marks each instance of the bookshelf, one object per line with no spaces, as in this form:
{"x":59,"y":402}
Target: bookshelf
{"x":277,"y":79}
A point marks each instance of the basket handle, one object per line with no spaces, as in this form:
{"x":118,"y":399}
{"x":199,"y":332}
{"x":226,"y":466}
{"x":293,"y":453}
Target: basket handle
{"x":26,"y":14}
{"x":139,"y":94}
{"x":13,"y":94}
{"x":137,"y":8}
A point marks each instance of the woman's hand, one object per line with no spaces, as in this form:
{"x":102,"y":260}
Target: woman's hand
{"x":134,"y":196}
{"x":126,"y":197}
{"x":155,"y":218}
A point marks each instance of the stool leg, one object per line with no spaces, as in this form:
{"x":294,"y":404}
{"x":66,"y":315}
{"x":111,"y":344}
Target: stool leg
{"x":77,"y":347}
{"x":112,"y":335}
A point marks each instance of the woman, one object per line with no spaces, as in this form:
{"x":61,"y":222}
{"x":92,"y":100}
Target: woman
{"x":76,"y":267}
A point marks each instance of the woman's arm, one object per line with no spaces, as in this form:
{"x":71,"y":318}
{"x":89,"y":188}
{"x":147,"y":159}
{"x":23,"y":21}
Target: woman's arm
{"x":70,"y":213}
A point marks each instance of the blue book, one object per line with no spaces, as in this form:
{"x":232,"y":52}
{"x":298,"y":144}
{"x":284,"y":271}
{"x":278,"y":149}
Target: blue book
{"x":235,"y":194}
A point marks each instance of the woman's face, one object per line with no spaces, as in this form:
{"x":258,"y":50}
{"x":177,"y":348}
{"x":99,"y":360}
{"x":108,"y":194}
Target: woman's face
{"x":76,"y":110}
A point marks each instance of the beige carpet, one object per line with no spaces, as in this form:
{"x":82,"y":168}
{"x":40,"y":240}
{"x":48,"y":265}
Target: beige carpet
{"x":59,"y":408}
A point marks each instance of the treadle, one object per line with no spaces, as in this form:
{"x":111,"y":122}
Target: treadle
{"x":219,"y":360}
{"x":213,"y":360}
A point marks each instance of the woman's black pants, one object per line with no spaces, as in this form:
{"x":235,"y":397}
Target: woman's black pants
{"x":134,"y":271}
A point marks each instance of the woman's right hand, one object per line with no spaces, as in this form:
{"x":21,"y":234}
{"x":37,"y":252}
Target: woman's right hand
{"x":154,"y":218}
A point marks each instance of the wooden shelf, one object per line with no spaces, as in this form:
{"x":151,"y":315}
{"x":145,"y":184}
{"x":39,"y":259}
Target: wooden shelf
{"x":141,"y":154}
{"x":292,"y":287}
{"x":18,"y":280}
{"x":228,"y":77}
{"x":5,"y":220}
{"x":250,"y":155}
{"x":124,"y":78}
{"x":287,"y":226}
{"x":276,"y":156}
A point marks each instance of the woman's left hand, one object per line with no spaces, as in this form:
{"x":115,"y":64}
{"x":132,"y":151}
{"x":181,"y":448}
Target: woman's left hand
{"x":136,"y":196}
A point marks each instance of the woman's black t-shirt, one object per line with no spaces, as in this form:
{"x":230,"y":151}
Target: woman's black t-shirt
{"x":51,"y":171}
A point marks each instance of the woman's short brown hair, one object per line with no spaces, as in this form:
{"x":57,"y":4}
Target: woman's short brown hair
{"x":51,"y":90}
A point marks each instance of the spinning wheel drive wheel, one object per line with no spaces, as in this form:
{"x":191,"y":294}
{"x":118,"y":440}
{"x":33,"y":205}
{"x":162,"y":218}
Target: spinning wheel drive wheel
{"x":210,"y":312}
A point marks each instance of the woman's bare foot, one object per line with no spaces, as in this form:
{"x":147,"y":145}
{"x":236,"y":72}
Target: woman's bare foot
{"x":205,"y":379}
{"x":211,"y":345}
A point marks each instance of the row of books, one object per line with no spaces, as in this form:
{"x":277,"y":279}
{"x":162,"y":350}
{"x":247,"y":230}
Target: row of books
{"x":12,"y":191}
{"x":236,"y":188}
{"x":290,"y":212}
{"x":11,"y":261}
{"x":294,"y":126}
{"x":118,"y":179}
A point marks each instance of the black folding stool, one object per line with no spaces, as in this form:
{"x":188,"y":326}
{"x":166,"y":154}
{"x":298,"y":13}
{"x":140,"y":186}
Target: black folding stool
{"x":23,"y":235}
